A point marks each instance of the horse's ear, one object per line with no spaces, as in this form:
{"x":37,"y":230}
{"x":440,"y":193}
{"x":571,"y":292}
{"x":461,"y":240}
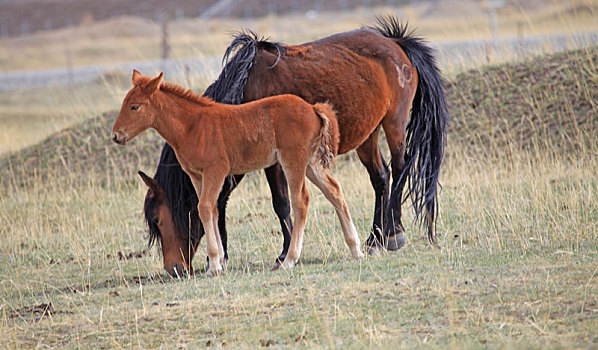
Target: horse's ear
{"x":151,"y":183}
{"x":136,"y":77}
{"x":154,"y":84}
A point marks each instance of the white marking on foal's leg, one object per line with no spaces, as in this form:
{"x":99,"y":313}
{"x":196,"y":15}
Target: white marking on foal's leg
{"x":333,"y":193}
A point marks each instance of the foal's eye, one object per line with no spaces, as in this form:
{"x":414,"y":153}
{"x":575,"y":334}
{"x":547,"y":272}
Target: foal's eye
{"x":134,"y":108}
{"x":156,"y":220}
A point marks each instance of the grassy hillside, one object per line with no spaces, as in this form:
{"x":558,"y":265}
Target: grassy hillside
{"x":79,"y":155}
{"x":548,"y":104}
{"x":518,"y":231}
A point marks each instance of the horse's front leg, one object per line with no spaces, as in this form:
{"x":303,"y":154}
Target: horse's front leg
{"x":229,"y":185}
{"x":280,"y":201}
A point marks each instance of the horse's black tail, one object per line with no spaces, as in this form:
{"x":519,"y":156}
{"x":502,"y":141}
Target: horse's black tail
{"x":426,"y":130}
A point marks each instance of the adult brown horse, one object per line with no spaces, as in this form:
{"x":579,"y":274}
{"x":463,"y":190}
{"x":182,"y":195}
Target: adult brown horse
{"x":213,"y":140}
{"x":373,"y":77}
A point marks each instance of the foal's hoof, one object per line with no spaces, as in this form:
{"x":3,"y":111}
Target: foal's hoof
{"x":357,"y":253}
{"x":286,"y":264}
{"x":214,"y":271}
{"x":224,"y":264}
{"x":396,"y":241}
{"x":277,"y":264}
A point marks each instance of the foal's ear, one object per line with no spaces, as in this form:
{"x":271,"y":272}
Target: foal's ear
{"x":151,"y":183}
{"x":154,"y":84}
{"x":136,"y":79}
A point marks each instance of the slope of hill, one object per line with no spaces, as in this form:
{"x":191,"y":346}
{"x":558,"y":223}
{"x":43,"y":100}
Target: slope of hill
{"x":81,"y":154}
{"x":546,"y":104}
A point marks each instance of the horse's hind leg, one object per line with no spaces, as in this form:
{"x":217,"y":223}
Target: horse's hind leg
{"x":370,"y":156}
{"x":395,"y":130}
{"x":280,"y":202}
{"x":332,"y":191}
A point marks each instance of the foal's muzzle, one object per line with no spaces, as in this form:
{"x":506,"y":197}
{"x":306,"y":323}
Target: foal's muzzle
{"x":121,"y":140}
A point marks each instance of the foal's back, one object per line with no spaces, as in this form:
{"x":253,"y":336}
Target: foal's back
{"x":254,"y":134}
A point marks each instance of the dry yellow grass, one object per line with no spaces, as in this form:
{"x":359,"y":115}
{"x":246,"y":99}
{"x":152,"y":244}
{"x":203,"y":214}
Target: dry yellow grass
{"x":518,"y":224}
{"x":518,"y":230}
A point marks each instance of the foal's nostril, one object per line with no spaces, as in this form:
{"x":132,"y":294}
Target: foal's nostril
{"x":115,"y":137}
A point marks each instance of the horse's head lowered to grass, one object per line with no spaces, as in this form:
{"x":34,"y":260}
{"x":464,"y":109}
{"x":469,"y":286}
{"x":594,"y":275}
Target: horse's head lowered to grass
{"x":177,"y":251}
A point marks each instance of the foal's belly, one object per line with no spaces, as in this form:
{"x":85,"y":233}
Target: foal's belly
{"x":251,"y":159}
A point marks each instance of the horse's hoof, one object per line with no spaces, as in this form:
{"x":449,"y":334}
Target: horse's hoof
{"x":396,"y":241}
{"x":374,"y":250}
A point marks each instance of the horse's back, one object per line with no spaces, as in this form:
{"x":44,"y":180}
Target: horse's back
{"x":355,"y":71}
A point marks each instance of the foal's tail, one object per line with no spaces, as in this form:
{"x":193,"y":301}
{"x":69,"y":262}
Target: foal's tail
{"x":326,"y":144}
{"x":426,"y":131}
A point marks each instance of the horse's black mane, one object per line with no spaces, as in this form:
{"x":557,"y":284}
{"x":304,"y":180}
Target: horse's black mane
{"x":228,"y":88}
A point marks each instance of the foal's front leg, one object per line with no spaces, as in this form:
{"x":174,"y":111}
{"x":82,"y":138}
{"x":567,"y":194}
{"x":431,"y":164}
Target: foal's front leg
{"x":208,"y":188}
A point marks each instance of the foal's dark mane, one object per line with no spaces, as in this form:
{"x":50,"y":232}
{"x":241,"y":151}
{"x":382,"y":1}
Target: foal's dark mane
{"x":181,"y":91}
{"x":228,"y":88}
{"x":186,"y":94}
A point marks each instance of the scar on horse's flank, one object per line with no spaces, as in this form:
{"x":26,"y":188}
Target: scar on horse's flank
{"x":404,"y":74}
{"x":298,"y":50}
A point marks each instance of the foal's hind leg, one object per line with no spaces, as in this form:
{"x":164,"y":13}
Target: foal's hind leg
{"x":295,"y":174}
{"x":332,"y":191}
{"x":370,"y":156}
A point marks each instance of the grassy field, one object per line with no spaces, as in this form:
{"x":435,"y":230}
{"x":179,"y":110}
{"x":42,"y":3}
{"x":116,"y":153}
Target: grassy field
{"x":518,"y":231}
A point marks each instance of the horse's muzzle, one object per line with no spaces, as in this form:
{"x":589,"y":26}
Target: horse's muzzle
{"x":179,"y":271}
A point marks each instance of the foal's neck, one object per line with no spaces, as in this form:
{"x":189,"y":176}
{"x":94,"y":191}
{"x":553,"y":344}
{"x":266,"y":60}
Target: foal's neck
{"x":175,"y":116}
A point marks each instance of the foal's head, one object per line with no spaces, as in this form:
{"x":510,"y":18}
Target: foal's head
{"x":177,"y":252}
{"x":137,"y":112}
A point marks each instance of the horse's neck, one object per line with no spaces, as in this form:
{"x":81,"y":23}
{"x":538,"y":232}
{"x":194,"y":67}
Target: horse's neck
{"x":176,"y":116}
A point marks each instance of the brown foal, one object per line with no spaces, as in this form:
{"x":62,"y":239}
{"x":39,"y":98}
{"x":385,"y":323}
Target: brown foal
{"x":213,"y":140}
